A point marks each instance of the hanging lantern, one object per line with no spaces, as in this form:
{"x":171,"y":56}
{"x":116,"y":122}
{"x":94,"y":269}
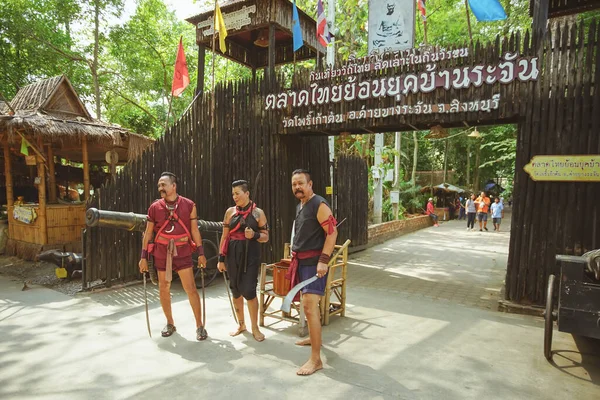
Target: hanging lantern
{"x":263,"y":39}
{"x":475,"y":134}
{"x":437,"y":132}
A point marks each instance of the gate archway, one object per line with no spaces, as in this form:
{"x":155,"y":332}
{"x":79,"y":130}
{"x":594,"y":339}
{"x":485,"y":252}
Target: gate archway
{"x":549,"y":90}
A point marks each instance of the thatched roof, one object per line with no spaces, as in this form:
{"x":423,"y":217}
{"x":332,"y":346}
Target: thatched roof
{"x":51,"y":110}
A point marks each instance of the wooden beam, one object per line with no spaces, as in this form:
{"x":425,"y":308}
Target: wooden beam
{"x":86,"y":169}
{"x":51,"y":172}
{"x":41,"y":174}
{"x":8,"y":174}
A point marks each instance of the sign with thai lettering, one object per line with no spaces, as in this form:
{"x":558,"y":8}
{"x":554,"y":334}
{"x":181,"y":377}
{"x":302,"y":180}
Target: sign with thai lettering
{"x":561,"y":168}
{"x":506,"y":71}
{"x":391,"y":24}
{"x":24,"y":214}
{"x":233,"y":20}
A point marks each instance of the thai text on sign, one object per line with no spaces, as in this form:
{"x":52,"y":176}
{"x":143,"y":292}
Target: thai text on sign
{"x":579,"y":168}
{"x":233,"y":20}
{"x":506,"y":71}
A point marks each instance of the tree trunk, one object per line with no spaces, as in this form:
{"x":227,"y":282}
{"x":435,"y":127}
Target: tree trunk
{"x":468,"y":164}
{"x":413,"y":178}
{"x":476,"y":173}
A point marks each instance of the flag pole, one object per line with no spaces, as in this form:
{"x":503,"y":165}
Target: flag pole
{"x":469,"y":22}
{"x":169,"y":112}
{"x":425,"y":30}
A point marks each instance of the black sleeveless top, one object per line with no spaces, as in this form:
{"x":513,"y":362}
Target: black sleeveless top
{"x":250,"y":220}
{"x":308,"y":232}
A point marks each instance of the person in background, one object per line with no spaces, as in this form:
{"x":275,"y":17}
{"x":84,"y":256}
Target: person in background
{"x":483,"y":206}
{"x":431,"y":212}
{"x":471,"y":212}
{"x":497,"y":213}
{"x":462,"y":214}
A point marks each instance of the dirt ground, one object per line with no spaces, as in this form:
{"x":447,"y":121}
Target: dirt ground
{"x":37,"y":273}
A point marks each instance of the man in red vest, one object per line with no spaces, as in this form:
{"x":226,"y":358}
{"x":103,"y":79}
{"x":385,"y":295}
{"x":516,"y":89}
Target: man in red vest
{"x":173,"y":221}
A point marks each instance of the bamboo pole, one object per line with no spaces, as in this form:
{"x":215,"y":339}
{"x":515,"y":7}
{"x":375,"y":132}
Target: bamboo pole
{"x":51,"y":172}
{"x":10,"y":200}
{"x":469,"y":22}
{"x":86,"y":169}
{"x":41,"y":173}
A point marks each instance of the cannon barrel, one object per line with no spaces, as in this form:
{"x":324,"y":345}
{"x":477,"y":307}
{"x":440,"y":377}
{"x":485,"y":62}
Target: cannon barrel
{"x":134,"y":222}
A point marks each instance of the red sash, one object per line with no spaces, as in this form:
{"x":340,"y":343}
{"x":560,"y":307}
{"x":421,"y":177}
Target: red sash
{"x":292,"y":273}
{"x":235,"y":233}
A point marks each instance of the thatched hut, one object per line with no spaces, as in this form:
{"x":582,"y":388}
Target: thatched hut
{"x":64,"y":143}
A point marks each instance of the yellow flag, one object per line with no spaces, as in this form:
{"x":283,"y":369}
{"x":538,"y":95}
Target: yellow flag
{"x":220,"y":27}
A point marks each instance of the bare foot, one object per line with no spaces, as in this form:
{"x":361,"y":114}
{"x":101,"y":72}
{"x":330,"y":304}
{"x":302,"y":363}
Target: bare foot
{"x":258,"y":336}
{"x":240,"y":329}
{"x":303,"y":342}
{"x":310,"y":367}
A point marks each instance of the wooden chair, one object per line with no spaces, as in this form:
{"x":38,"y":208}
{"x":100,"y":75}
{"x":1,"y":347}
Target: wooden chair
{"x":336,"y":286}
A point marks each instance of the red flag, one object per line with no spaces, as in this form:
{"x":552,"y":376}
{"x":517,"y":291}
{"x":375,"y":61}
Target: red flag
{"x":181,"y":77}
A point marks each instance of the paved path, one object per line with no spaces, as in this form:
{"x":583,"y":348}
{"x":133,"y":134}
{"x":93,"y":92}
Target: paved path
{"x":389,"y":346}
{"x":447,"y":263}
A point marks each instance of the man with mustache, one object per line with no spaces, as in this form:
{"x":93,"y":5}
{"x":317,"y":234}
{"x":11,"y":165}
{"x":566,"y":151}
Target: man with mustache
{"x":173,"y":221}
{"x":244,"y":228}
{"x":313,"y":242}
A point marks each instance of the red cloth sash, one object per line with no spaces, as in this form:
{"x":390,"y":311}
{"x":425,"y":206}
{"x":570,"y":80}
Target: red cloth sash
{"x":292,"y":273}
{"x":330,"y":223}
{"x":235,"y":233}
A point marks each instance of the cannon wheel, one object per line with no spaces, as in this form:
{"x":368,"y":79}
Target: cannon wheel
{"x":211,"y":252}
{"x":549,"y":317}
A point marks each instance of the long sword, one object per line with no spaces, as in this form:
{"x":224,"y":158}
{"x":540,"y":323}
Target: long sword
{"x":286,"y":305}
{"x":230,"y":300}
{"x":146,"y":302}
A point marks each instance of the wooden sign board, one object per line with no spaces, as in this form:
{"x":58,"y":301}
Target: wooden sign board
{"x":561,"y":168}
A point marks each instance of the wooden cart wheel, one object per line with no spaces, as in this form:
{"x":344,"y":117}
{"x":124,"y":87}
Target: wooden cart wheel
{"x":549,"y":318}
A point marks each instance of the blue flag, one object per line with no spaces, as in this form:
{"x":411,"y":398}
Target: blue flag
{"x":487,"y":10}
{"x":296,"y":31}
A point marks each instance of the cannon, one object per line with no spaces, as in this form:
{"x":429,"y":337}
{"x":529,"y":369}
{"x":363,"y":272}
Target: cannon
{"x":573,"y":298}
{"x":137,"y":223}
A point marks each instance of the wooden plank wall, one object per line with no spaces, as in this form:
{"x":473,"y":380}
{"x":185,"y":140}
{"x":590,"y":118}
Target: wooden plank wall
{"x":562,"y":117}
{"x":352,"y":199}
{"x":206,"y":160}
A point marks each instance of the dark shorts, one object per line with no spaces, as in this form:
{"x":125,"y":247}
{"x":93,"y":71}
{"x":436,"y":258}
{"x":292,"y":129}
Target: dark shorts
{"x":497,"y":220}
{"x":482,"y":217}
{"x":317,"y":287}
{"x":178,"y":264}
{"x":434,"y":217}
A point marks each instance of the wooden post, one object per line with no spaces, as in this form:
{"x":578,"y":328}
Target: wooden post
{"x":201,"y":61}
{"x":10,"y":201}
{"x":86,"y":169}
{"x":51,"y":172}
{"x":41,"y":174}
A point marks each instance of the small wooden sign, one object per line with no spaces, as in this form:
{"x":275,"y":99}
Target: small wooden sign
{"x":30,"y":160}
{"x":560,"y":168}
